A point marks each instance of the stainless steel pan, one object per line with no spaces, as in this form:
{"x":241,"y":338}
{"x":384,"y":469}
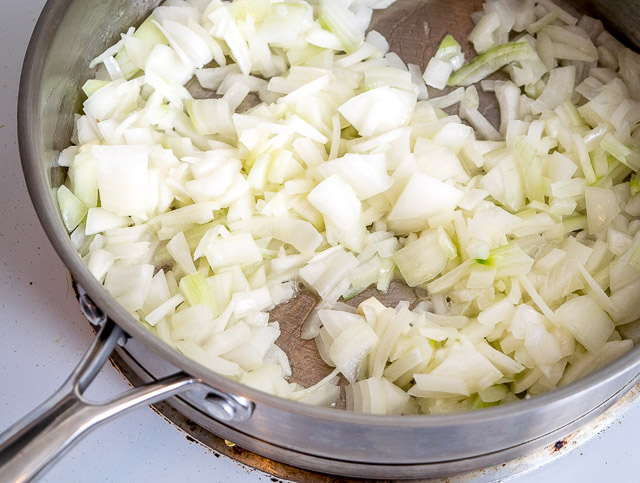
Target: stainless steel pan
{"x":71,"y":32}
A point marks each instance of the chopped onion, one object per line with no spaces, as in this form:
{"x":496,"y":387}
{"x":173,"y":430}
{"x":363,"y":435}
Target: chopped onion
{"x":200,"y":215}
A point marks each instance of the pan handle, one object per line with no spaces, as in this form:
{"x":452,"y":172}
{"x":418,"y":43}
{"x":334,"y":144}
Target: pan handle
{"x":35,"y":442}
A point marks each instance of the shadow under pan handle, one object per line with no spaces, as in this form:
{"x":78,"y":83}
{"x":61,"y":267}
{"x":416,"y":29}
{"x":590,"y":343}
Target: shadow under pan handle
{"x":35,"y":442}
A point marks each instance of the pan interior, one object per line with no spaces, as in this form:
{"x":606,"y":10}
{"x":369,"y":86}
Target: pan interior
{"x":414,"y":29}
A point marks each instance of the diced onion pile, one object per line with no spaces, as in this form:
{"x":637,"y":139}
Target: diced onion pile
{"x":319,"y":157}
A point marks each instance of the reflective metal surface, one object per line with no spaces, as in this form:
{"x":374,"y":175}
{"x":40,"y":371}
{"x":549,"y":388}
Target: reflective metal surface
{"x":571,"y":442}
{"x":358,"y":445}
{"x":34,"y":443}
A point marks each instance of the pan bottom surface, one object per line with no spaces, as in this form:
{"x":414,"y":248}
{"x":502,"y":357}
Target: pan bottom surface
{"x":224,"y":441}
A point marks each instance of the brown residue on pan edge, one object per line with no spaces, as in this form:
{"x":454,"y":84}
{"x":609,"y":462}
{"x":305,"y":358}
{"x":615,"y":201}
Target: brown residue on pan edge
{"x":558,"y":445}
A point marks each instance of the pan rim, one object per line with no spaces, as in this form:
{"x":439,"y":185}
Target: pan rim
{"x":30,"y":145}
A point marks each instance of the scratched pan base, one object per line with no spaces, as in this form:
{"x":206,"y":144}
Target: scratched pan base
{"x":413,"y":29}
{"x":570,"y":441}
{"x":319,"y":438}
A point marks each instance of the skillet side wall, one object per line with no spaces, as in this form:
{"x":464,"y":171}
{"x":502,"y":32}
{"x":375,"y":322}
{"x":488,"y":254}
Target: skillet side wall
{"x":49,"y":97}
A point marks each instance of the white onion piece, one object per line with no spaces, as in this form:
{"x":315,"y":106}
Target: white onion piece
{"x":379,"y":110}
{"x":123,"y":179}
{"x":425,"y":196}
{"x":337,"y":202}
{"x":588,"y":323}
{"x":602,"y":207}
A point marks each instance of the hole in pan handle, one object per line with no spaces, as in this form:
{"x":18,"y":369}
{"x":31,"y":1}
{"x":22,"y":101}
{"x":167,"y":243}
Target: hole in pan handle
{"x":35,"y":442}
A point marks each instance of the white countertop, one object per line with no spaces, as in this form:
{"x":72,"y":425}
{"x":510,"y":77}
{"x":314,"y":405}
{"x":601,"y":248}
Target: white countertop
{"x":43,"y":335}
